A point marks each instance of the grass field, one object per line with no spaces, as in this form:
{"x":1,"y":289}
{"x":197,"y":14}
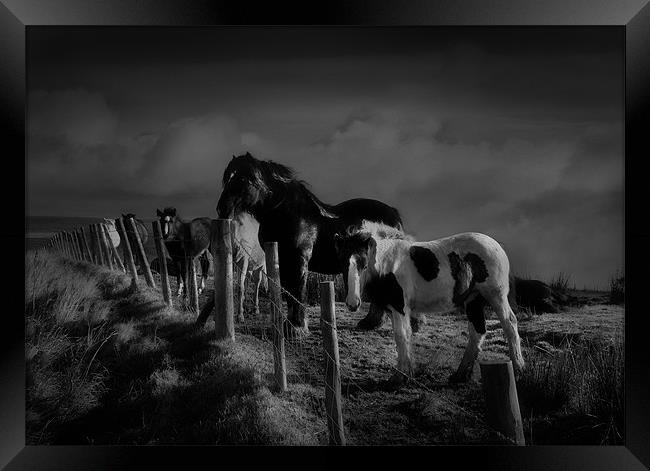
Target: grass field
{"x":109,"y":364}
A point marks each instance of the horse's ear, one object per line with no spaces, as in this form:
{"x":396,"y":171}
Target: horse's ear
{"x":159,"y":213}
{"x":123,"y":215}
{"x":173,"y":211}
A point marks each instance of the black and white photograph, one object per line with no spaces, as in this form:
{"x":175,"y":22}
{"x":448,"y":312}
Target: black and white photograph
{"x":334,"y":235}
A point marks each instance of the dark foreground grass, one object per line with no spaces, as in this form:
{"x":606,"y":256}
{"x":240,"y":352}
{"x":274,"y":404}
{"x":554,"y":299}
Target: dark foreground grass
{"x":573,"y":393}
{"x":108,"y":364}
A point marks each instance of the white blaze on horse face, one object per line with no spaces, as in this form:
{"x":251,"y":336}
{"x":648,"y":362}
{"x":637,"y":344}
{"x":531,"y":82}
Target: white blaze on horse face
{"x":353,"y":299}
{"x":166,"y":226}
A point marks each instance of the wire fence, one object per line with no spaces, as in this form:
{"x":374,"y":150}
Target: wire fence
{"x":308,"y":363}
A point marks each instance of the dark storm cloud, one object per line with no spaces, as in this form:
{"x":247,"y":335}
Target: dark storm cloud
{"x":514,"y":132}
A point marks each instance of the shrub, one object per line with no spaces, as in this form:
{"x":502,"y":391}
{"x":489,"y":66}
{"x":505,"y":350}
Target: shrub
{"x":560,"y":284}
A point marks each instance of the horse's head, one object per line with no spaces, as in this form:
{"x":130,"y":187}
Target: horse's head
{"x":128,"y":216}
{"x":110,"y":224}
{"x":167,"y":217}
{"x":244,"y":186}
{"x":355,"y":251}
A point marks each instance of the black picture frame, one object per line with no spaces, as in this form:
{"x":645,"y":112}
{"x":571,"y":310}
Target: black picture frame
{"x":632,"y":16}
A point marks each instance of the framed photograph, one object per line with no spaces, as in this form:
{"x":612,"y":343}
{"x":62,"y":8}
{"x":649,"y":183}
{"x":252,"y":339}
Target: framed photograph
{"x":357,"y":224}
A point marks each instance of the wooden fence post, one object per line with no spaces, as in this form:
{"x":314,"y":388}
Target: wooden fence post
{"x":277,"y":319}
{"x":73,"y":252}
{"x":112,"y":250}
{"x":80,"y":244}
{"x":223,"y":278}
{"x":128,"y":253}
{"x":142,"y":256}
{"x":162,"y":262}
{"x":66,"y":244}
{"x":501,"y":400}
{"x":332,"y":366}
{"x":99,"y":256}
{"x":61,"y":243}
{"x":77,"y":245}
{"x":84,"y":242}
{"x":105,"y":248}
{"x":106,"y":257}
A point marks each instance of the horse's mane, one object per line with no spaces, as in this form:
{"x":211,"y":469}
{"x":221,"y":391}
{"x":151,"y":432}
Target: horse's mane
{"x":270,"y":171}
{"x":382,"y":231}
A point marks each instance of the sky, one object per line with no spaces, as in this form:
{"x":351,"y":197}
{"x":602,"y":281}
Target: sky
{"x":513,"y":132}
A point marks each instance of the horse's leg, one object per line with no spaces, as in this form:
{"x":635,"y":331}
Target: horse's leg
{"x":297,"y":288}
{"x":402,"y":333}
{"x":179,"y":277}
{"x":374,"y":319}
{"x":205,"y":269}
{"x":243,"y":273}
{"x":499,"y":303}
{"x":258,"y":282}
{"x":474,"y":310}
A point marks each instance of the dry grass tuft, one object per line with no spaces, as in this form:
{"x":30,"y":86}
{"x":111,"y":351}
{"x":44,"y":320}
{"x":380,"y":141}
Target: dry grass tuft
{"x":583,"y":379}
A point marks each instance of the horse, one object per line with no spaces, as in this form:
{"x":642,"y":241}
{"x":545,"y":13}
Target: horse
{"x":186,"y":240}
{"x":249,"y":258}
{"x":113,"y":233}
{"x":291,"y":215}
{"x":466,"y":271}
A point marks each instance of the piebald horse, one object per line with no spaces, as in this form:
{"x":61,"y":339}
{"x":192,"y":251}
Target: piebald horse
{"x":465,"y":271}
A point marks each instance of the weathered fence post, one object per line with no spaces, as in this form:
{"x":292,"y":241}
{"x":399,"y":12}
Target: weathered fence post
{"x":105,"y":248}
{"x":277,"y":319}
{"x":66,"y":244}
{"x":106,"y":256}
{"x":128,"y":253}
{"x":192,"y":286}
{"x":162,"y":262}
{"x":73,"y":251}
{"x":80,"y":244}
{"x":84,"y":242}
{"x":77,"y":240}
{"x":59,"y":243}
{"x":224,"y":305}
{"x":332,"y":366}
{"x":142,"y":256}
{"x":112,"y":250}
{"x":501,"y":400}
{"x":99,"y":256}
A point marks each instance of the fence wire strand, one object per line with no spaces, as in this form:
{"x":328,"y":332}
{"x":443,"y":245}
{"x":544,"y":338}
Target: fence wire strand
{"x":305,"y":361}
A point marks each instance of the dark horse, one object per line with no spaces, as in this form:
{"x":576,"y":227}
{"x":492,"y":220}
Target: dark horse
{"x":185,"y":242}
{"x":303,"y":226}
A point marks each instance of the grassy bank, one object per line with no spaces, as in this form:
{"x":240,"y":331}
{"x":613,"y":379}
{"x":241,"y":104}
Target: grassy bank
{"x":109,"y":364}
